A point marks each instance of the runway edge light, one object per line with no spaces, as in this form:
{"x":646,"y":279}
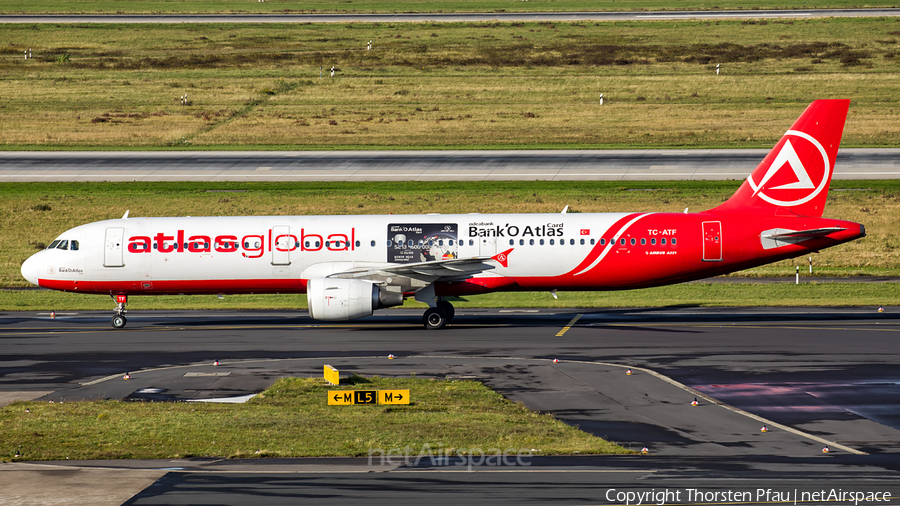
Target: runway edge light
{"x":764,"y":429}
{"x":695,"y":402}
{"x":628,"y":372}
{"x":645,"y":450}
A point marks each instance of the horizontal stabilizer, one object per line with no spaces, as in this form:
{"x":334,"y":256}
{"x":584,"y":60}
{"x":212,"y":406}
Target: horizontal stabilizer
{"x":777,"y":237}
{"x":805,"y":234}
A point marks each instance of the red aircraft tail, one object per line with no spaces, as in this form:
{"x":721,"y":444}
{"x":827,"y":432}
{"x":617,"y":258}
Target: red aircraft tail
{"x":793,"y":178}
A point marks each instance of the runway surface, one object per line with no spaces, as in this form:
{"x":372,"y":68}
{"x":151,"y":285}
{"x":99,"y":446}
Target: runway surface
{"x":563,"y":165}
{"x":447,"y":17}
{"x":816,"y":376}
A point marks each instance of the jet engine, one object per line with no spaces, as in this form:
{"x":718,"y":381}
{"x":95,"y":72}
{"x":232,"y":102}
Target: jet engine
{"x":339,"y":299}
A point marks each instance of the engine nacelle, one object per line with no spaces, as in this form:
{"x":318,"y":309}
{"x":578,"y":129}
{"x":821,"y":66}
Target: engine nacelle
{"x":339,"y":299}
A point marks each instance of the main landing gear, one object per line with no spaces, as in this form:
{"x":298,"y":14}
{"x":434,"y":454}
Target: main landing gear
{"x":438,"y":316}
{"x":118,"y":321}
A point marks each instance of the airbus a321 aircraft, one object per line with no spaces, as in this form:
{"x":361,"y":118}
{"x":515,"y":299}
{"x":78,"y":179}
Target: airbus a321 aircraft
{"x":350,"y":266}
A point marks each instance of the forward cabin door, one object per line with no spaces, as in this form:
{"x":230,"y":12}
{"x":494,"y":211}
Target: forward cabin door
{"x":112,"y":252}
{"x":712,"y":241}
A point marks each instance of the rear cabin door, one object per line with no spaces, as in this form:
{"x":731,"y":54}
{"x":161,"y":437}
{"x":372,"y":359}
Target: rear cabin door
{"x":112,"y":253}
{"x":712,"y":241}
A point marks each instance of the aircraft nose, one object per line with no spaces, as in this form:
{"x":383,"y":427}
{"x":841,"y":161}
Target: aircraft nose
{"x":29,"y":269}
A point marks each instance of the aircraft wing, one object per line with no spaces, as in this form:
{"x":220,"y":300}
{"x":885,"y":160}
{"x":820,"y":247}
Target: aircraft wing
{"x":457,"y":268}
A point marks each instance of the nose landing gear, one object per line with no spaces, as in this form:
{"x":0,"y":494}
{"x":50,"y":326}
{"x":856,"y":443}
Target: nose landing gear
{"x":118,"y":321}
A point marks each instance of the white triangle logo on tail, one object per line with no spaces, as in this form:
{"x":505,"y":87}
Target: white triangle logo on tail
{"x":787,"y":155}
{"x":806,"y":187}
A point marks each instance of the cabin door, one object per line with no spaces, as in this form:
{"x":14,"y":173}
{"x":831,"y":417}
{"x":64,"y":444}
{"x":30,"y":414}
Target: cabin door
{"x":487,"y":246}
{"x":712,"y":241}
{"x":282,"y":244}
{"x":112,"y":252}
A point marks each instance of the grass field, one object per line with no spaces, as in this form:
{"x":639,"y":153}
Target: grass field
{"x":364,"y":6}
{"x":291,"y":419}
{"x":33,"y":214}
{"x":443,"y":85}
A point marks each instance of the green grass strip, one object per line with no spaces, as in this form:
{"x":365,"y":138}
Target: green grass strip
{"x":516,"y":85}
{"x":291,"y":419}
{"x":403,"y":6}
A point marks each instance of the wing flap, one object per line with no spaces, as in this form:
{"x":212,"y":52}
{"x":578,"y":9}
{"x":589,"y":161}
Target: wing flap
{"x":428,"y":271}
{"x":431,"y":271}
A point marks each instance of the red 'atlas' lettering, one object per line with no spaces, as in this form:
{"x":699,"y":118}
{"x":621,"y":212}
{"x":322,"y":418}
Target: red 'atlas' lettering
{"x":198,"y":244}
{"x":139,"y":244}
{"x":226,"y":243}
{"x":161,"y":243}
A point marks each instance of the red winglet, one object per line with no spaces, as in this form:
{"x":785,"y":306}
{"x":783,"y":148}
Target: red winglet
{"x":503,"y":258}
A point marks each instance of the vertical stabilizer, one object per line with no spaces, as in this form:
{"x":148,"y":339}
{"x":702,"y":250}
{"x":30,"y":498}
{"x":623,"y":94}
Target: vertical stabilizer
{"x":793,"y":178}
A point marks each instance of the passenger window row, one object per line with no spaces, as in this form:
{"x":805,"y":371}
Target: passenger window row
{"x":562,"y":242}
{"x":623,"y":241}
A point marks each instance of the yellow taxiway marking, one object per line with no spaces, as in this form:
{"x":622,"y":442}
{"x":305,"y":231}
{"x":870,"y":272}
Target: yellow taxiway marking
{"x":569,"y":325}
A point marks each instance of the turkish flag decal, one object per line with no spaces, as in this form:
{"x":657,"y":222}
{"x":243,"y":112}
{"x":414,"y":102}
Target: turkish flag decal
{"x":585,"y":231}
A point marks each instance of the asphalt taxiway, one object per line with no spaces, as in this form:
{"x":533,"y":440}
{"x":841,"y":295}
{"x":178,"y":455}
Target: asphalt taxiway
{"x":488,"y":165}
{"x":815,"y":376}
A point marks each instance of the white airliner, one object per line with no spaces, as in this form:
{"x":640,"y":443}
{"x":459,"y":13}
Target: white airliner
{"x":350,"y":266}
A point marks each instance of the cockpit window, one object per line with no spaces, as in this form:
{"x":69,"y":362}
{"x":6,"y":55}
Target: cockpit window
{"x":64,"y":244}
